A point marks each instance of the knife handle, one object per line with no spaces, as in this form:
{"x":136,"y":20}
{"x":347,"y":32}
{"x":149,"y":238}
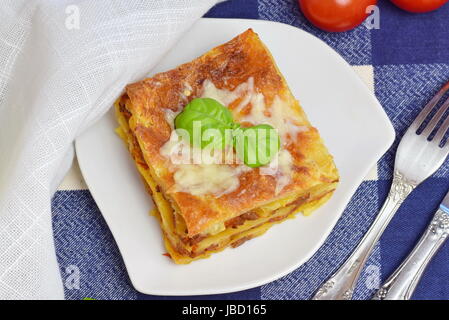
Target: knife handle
{"x":402,"y":283}
{"x":342,"y":283}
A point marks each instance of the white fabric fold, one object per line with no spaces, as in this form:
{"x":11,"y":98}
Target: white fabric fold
{"x":62,"y":64}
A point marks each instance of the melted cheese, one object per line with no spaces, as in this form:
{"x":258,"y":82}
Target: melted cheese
{"x":203,"y":175}
{"x":279,"y":117}
{"x":198,"y":172}
{"x":280,"y":114}
{"x":179,"y":151}
{"x":226,"y":97}
{"x":284,"y":173}
{"x":209,"y":178}
{"x":170,"y":116}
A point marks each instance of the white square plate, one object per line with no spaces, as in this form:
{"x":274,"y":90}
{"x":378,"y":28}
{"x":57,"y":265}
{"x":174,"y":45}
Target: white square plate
{"x":351,"y":122}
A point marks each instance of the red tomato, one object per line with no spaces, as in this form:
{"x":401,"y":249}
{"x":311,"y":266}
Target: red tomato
{"x":336,"y":15}
{"x":419,"y":5}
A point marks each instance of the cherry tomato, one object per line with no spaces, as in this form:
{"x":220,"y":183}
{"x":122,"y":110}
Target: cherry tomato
{"x":419,"y":5}
{"x":336,"y":15}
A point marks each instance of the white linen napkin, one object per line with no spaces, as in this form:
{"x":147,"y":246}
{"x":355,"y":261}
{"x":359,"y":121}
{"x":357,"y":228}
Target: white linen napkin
{"x":62,"y":64}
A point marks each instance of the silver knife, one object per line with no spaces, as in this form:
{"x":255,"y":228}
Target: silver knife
{"x":402,"y":283}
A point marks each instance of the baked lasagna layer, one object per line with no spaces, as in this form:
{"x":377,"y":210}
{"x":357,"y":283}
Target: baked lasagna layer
{"x":242,"y":75}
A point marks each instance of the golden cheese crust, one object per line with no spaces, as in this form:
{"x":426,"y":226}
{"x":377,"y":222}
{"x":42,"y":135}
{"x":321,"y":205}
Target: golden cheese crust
{"x":226,"y":66}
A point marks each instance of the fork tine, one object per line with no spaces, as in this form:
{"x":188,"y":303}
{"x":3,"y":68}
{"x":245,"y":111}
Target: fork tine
{"x":436,"y":118}
{"x":428,"y":108}
{"x":444,"y":152}
{"x":442,"y":132}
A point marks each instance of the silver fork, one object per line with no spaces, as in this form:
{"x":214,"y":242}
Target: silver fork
{"x":417,"y":158}
{"x":402,"y":283}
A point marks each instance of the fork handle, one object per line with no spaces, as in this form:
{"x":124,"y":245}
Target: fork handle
{"x":402,"y":283}
{"x":341,"y":285}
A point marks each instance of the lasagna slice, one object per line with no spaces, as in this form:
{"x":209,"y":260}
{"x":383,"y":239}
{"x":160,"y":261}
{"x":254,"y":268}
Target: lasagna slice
{"x":204,"y":208}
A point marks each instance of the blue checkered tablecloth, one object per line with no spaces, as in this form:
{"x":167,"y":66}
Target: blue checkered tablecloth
{"x":405,"y":62}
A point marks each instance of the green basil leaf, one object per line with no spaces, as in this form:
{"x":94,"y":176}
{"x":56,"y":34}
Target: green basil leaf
{"x":206,"y":118}
{"x":256,"y":146}
{"x":206,"y":122}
